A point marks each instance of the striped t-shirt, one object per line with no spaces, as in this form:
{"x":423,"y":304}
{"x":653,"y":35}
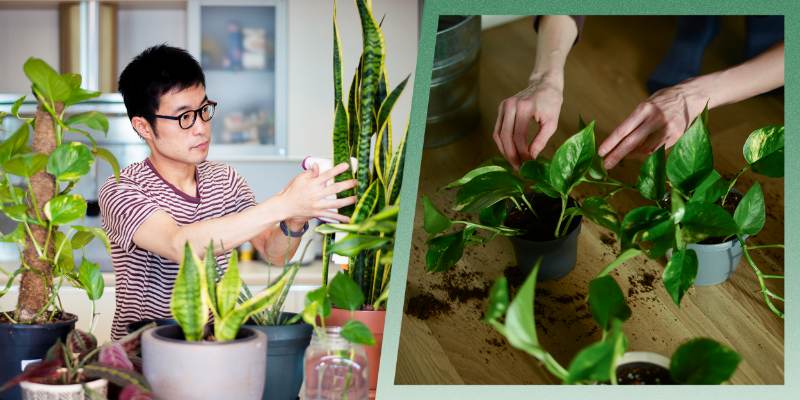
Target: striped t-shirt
{"x":144,"y":280}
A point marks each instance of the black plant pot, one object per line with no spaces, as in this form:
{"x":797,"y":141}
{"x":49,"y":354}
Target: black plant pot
{"x":21,"y":344}
{"x":558,"y":255}
{"x":286,"y":346}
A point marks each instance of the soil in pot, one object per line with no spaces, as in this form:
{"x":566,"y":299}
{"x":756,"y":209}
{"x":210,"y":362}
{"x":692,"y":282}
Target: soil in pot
{"x":539,"y":227}
{"x":643,"y":373}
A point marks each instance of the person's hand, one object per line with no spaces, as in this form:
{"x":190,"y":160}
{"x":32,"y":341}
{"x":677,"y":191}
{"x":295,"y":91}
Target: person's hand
{"x":540,"y":102}
{"x":309,"y":195}
{"x":660,"y":120}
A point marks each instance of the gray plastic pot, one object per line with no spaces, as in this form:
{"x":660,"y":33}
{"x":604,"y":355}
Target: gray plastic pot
{"x":715,"y":262}
{"x":558,"y":255}
{"x":177,"y":369}
{"x":286,"y":345}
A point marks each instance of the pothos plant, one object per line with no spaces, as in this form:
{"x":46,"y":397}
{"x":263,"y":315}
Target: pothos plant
{"x":80,"y":360}
{"x":199,"y":290}
{"x":48,"y":169}
{"x":697,"y":361}
{"x":360,"y":120}
{"x":494,"y":189}
{"x":690,"y":206}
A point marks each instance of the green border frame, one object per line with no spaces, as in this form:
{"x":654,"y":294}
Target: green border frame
{"x":431,"y":11}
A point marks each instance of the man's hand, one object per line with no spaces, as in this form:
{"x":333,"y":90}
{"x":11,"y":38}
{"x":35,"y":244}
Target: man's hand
{"x":308,"y":195}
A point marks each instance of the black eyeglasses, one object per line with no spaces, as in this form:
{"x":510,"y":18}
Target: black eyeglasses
{"x":187,"y":118}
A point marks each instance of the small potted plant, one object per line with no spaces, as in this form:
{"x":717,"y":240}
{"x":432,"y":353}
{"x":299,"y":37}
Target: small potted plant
{"x":533,"y":207}
{"x":77,"y":369}
{"x":699,"y":221}
{"x":48,"y":165}
{"x":194,"y":360}
{"x":698,"y":361}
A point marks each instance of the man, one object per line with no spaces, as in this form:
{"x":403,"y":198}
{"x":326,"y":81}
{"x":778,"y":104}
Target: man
{"x":176,"y":196}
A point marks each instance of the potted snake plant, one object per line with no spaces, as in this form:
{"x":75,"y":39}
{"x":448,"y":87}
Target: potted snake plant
{"x":195,"y":360}
{"x":362,"y":129}
{"x":47,"y":166}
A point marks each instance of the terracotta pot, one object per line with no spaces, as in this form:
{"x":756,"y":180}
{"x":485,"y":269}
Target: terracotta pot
{"x":374,"y":320}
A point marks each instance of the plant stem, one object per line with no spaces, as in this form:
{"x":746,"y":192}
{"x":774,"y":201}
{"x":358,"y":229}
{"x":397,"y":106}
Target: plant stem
{"x":733,"y":182}
{"x":529,"y":205}
{"x":561,"y":217}
{"x":766,"y":293}
{"x":94,"y":318}
{"x":34,"y":201}
{"x":766,"y":246}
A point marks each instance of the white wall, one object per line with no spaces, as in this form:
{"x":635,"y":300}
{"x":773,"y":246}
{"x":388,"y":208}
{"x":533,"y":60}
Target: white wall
{"x":26,"y":33}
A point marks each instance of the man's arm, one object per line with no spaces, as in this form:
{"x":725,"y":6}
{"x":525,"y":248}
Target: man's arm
{"x":276,"y":248}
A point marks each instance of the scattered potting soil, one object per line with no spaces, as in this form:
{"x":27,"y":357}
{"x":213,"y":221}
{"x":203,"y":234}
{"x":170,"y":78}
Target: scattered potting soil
{"x":425,"y":305}
{"x":642,"y":282}
{"x":540,"y":227}
{"x":642,"y":373}
{"x":608,"y":239}
{"x":462,"y":286}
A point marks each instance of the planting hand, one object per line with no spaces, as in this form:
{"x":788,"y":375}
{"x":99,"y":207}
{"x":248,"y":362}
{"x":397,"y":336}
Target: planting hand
{"x":306,"y":196}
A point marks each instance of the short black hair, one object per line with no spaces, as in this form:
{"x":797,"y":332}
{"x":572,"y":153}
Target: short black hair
{"x":156,"y":71}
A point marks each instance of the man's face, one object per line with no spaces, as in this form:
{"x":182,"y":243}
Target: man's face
{"x":173,"y":142}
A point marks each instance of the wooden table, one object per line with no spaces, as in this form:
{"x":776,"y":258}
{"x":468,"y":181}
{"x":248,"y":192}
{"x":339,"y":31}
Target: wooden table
{"x":604,"y":81}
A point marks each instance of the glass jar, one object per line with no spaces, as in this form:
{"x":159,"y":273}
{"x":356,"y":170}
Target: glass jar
{"x":335,"y":368}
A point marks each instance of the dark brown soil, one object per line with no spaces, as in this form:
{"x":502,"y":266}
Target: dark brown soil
{"x":425,"y":305}
{"x":640,"y":373}
{"x":608,"y":239}
{"x":462,"y":286}
{"x":59,"y":317}
{"x":642,"y":282}
{"x":539,"y":227}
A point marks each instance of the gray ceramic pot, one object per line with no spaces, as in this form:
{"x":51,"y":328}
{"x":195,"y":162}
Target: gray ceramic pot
{"x":715,"y":262}
{"x":285,"y":349}
{"x":558,"y":255}
{"x":177,"y":369}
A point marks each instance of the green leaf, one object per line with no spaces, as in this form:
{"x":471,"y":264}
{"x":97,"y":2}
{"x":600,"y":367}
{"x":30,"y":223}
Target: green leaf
{"x":81,"y":239}
{"x":99,"y":233}
{"x":91,"y":279}
{"x":65,"y":208}
{"x":703,"y":361}
{"x":228,"y":287}
{"x":389,"y":102}
{"x":356,"y":332}
{"x":599,"y":211}
{"x":652,"y":181}
{"x":16,"y":106}
{"x":15,"y":236}
{"x":704,"y":220}
{"x":367,"y":203}
{"x":621,"y":259}
{"x":607,"y":302}
{"x":50,"y":83}
{"x":189,"y":303}
{"x":638,"y":220}
{"x":486,"y":190}
{"x":109,"y":158}
{"x":520,"y":323}
{"x":539,"y":172}
{"x":17,"y":213}
{"x":494,"y":215}
{"x":597,"y":170}
{"x":317,"y":303}
{"x":433,"y":219}
{"x":15,"y":144}
{"x":345,"y":293}
{"x":210,"y":271}
{"x":92,"y":119}
{"x":444,"y":251}
{"x":750,"y":214}
{"x":658,"y":239}
{"x":353,"y":244}
{"x":65,"y":263}
{"x":70,"y":161}
{"x":498,"y":300}
{"x":572,"y":160}
{"x":690,"y":161}
{"x":473,"y":174}
{"x":597,"y":363}
{"x":711,"y":189}
{"x":680,"y":273}
{"x":25,"y":165}
{"x":763,"y":151}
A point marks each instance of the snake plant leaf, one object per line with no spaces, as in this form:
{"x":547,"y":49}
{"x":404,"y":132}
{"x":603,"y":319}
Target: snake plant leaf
{"x":652,"y":181}
{"x":498,"y":300}
{"x":763,"y":151}
{"x":494,"y":215}
{"x":69,"y":162}
{"x":433,"y":219}
{"x":690,"y":161}
{"x":15,"y":144}
{"x":228,"y":327}
{"x":597,"y":363}
{"x":373,"y":56}
{"x":750,"y":213}
{"x":353,"y":244}
{"x":703,"y":361}
{"x":189,"y":303}
{"x":52,"y":85}
{"x":353,"y":107}
{"x":711,"y":189}
{"x":366,"y":204}
{"x":341,"y":151}
{"x":345,"y":293}
{"x":599,"y":211}
{"x":520,"y":324}
{"x":572,"y":160}
{"x":91,"y":279}
{"x":487,"y":189}
{"x":704,"y":220}
{"x":444,"y":251}
{"x":607,"y":302}
{"x":337,"y":64}
{"x":92,"y":119}
{"x":65,"y":208}
{"x":356,"y":332}
{"x":25,"y":165}
{"x":109,"y":158}
{"x":475,"y":173}
{"x":395,"y":175}
{"x":229,"y":287}
{"x":211,"y":275}
{"x":388,"y":104}
{"x":680,"y":273}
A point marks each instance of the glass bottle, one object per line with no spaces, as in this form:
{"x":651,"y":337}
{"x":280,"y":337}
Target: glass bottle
{"x":335,"y":368}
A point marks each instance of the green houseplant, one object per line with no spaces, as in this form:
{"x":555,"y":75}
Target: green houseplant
{"x":699,"y":220}
{"x":47,"y":166}
{"x":360,"y":120}
{"x":227,"y":360}
{"x":697,"y":361}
